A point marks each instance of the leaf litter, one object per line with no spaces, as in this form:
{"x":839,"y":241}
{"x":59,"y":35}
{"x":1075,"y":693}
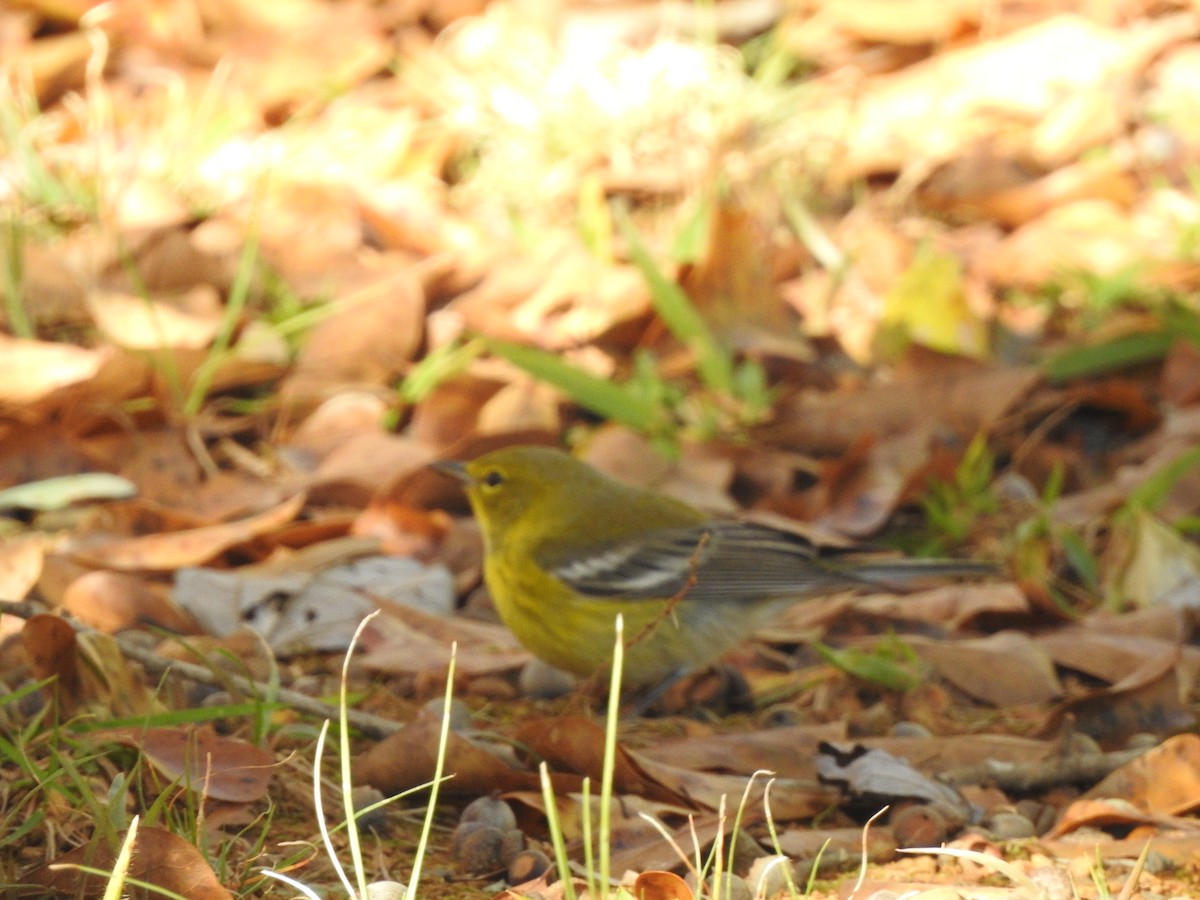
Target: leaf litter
{"x":894,"y":241}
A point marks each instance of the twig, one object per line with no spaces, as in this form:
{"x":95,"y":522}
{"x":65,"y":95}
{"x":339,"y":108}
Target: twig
{"x":371,"y":725}
{"x":1084,"y":768}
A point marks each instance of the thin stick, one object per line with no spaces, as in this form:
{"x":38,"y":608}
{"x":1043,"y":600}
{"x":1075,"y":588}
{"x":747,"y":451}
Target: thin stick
{"x":370,"y":725}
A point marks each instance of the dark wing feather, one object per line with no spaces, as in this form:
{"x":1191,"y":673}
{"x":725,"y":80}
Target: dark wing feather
{"x":732,"y":561}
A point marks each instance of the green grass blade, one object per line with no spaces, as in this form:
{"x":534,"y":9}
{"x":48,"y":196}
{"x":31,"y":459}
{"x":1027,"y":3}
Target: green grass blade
{"x":713,"y":362}
{"x":600,"y":395}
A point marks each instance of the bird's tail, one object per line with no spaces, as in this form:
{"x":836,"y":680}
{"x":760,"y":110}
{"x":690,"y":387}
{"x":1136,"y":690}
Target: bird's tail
{"x":882,"y":573}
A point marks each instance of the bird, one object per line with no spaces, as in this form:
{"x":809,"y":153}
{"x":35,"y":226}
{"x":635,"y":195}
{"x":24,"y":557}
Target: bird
{"x":567,"y":548}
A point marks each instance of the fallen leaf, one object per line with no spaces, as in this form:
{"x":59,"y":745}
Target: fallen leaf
{"x":203,"y":762}
{"x":49,"y":642}
{"x":1164,"y":567}
{"x":21,"y":559}
{"x":174,"y":550}
{"x":164,"y":860}
{"x":32,"y":370}
{"x":659,"y":885}
{"x":140,"y":323}
{"x":113,"y":602}
{"x":1004,"y":669}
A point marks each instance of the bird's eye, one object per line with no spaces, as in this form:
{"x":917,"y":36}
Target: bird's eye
{"x":493,"y":479}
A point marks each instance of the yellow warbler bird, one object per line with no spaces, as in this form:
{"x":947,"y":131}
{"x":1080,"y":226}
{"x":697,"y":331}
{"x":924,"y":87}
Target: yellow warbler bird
{"x":567,"y":548}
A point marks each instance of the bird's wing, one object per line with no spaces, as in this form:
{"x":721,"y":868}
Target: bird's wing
{"x":723,"y":560}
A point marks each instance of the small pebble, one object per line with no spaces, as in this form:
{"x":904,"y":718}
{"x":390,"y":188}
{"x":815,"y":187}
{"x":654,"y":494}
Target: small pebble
{"x":780,"y":716}
{"x":910,"y":729}
{"x":460,"y":714}
{"x":1079,"y":744}
{"x":386,"y":890}
{"x":1053,"y":881}
{"x":362,"y":796}
{"x":541,"y":681}
{"x":1042,"y":815}
{"x":730,"y":887}
{"x":1010,"y":826}
{"x":768,"y":875}
{"x":1143,"y":741}
{"x":489,"y":810}
{"x":313,"y":685}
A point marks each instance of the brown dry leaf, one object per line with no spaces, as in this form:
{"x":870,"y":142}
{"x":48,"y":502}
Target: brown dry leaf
{"x":1094,"y":236}
{"x":228,"y":494}
{"x":732,"y":284}
{"x":51,"y":65}
{"x":403,"y":530}
{"x":659,"y":885}
{"x":162,"y":262}
{"x":336,"y":420}
{"x":140,"y":323}
{"x":109,"y":682}
{"x":33,"y":370}
{"x":628,"y":812}
{"x":405,"y":639}
{"x":576,"y":744}
{"x":863,"y":495}
{"x":1163,"y":566}
{"x":89,"y":669}
{"x":351,"y":474}
{"x":844,"y":297}
{"x":53,"y":290}
{"x":413,"y":214}
{"x":1151,"y":698}
{"x":1099,"y":812}
{"x":1111,"y":656}
{"x":1179,"y":434}
{"x":1163,"y":781}
{"x":1162,"y":623}
{"x":113,"y":601}
{"x":158,"y":460}
{"x":50,"y":644}
{"x":288,"y":52}
{"x":982,"y":185}
{"x":1180,"y":384}
{"x":1174,"y":849}
{"x":1172,"y":99}
{"x":21,"y":559}
{"x":788,"y":751}
{"x":903,"y":22}
{"x":147,"y":202}
{"x":160,"y":858}
{"x":564,"y":297}
{"x":952,"y":606}
{"x":838,"y":843}
{"x":408,"y":758}
{"x":1048,"y":92}
{"x":32,"y":452}
{"x":791,"y":798}
{"x":968,"y":400}
{"x":210,"y":765}
{"x":524,"y":403}
{"x":164,"y":552}
{"x":1004,"y":669}
{"x":647,"y":851}
{"x":374,"y":332}
{"x":701,"y":476}
{"x":451,"y":410}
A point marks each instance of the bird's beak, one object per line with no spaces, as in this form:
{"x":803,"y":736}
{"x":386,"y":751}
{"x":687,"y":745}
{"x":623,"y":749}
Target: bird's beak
{"x":454,"y":468}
